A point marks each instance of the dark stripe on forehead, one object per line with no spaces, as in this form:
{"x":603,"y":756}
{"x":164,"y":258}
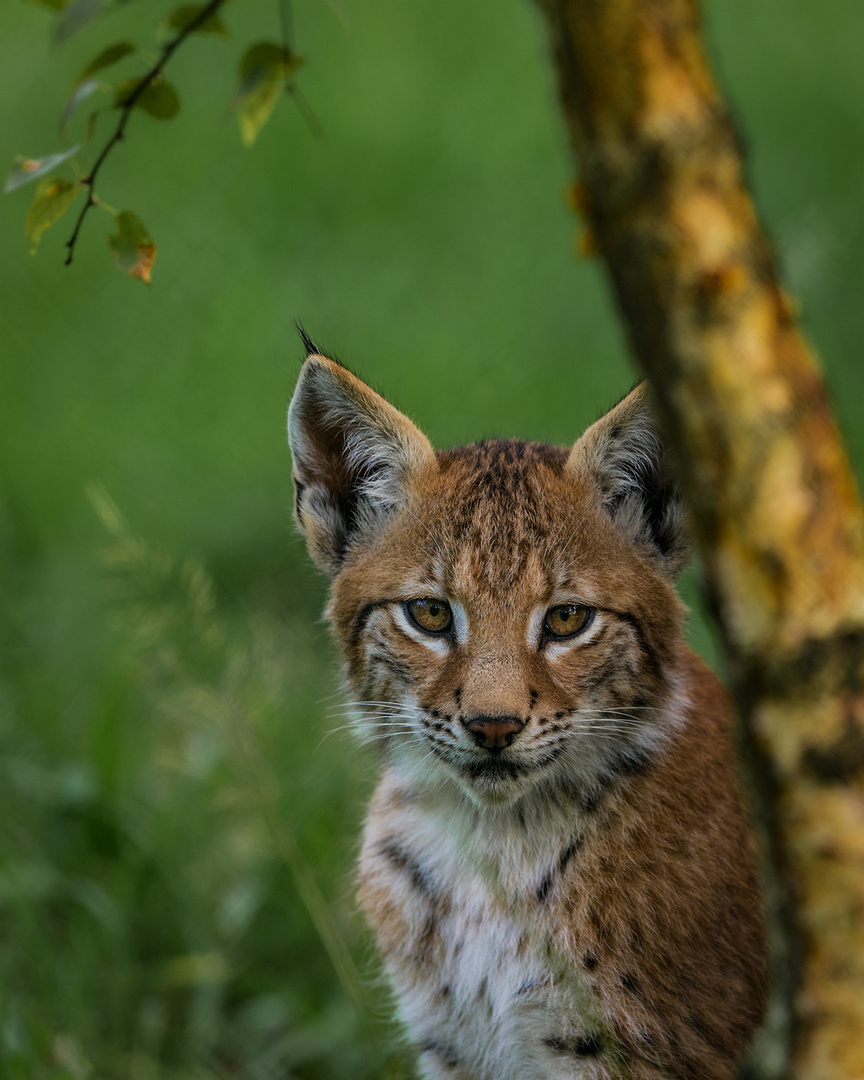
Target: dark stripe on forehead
{"x":496,"y":454}
{"x":498,"y":510}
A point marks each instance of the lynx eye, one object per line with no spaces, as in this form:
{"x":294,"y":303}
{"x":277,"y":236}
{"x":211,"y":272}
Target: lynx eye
{"x":432,"y":616}
{"x":566,"y":620}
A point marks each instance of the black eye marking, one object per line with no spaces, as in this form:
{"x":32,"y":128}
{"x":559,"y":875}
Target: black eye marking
{"x":429,"y":615}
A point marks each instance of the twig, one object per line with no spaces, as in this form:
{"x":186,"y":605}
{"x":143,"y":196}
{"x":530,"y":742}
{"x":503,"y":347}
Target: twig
{"x":306,"y":112}
{"x":89,"y":180}
{"x":286,"y":18}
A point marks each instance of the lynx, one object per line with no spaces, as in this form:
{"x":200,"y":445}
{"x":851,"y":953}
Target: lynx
{"x":555,"y":863}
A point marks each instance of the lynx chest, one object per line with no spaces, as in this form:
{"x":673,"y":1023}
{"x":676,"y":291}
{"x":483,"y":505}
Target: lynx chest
{"x":468,"y":942}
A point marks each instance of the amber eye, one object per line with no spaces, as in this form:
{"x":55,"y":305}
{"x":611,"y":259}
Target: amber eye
{"x":433,"y":616}
{"x":565,"y":620}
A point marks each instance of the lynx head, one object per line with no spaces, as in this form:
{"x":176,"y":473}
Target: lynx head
{"x":506,"y":610}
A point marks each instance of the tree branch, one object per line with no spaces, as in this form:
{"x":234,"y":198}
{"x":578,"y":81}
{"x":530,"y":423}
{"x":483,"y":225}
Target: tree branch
{"x":774,"y":503}
{"x":168,"y":51}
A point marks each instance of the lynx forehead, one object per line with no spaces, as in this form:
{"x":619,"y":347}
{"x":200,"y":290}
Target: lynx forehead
{"x":555,"y":862}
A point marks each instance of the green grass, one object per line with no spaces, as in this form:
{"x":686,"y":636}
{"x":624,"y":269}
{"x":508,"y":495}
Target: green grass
{"x":176,"y":831}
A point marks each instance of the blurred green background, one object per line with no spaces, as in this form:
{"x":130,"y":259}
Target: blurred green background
{"x":176,"y":894}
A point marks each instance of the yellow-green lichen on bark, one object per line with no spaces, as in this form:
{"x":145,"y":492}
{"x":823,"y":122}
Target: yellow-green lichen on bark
{"x":774,"y":504}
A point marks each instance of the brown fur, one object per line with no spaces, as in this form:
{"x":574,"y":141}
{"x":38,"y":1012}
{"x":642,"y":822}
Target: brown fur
{"x":581,"y":902}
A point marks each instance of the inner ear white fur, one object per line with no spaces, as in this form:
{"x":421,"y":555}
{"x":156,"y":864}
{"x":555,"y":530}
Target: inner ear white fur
{"x":354,"y":457}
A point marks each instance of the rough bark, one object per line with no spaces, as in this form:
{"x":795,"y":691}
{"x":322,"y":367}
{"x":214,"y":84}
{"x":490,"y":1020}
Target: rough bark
{"x":774,"y":504}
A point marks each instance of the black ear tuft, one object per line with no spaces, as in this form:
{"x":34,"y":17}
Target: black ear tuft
{"x":310,"y":346}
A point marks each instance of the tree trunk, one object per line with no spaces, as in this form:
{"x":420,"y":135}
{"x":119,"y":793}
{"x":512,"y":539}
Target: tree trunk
{"x":773,"y":501}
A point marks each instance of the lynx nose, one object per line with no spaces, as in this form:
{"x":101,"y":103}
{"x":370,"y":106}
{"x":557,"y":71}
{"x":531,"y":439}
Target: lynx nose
{"x":494,"y":732}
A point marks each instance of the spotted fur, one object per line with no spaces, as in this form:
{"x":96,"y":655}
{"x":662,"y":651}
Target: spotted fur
{"x":572,"y":895}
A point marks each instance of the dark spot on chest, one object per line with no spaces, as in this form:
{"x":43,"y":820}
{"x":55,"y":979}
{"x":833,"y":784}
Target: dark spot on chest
{"x":632,"y":761}
{"x":428,"y":940}
{"x":532,"y":985}
{"x":419,"y":877}
{"x":590,"y":800}
{"x":580,"y":1046}
{"x":444,"y":1053}
{"x":545,"y":886}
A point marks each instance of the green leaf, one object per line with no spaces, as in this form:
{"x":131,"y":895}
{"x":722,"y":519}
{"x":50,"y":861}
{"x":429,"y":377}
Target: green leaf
{"x":159,"y":98}
{"x":26,"y":169}
{"x":81,"y":92}
{"x":55,"y":5}
{"x":90,"y":129}
{"x":53,"y":198}
{"x":182,"y":16}
{"x":85,"y":85}
{"x":106,"y":58}
{"x":74,"y":17}
{"x":133,"y":247}
{"x":265,"y":71}
{"x":265,"y":59}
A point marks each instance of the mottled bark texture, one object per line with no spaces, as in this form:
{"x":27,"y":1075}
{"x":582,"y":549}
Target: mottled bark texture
{"x":774,"y":504}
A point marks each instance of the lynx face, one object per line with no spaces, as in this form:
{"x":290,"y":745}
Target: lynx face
{"x":506,"y":610}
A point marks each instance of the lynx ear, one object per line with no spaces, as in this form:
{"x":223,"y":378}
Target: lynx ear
{"x":353,"y":457}
{"x":625,"y":455}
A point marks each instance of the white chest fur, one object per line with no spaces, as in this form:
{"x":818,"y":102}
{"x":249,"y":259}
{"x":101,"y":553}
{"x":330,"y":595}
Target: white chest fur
{"x":467,"y":945}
